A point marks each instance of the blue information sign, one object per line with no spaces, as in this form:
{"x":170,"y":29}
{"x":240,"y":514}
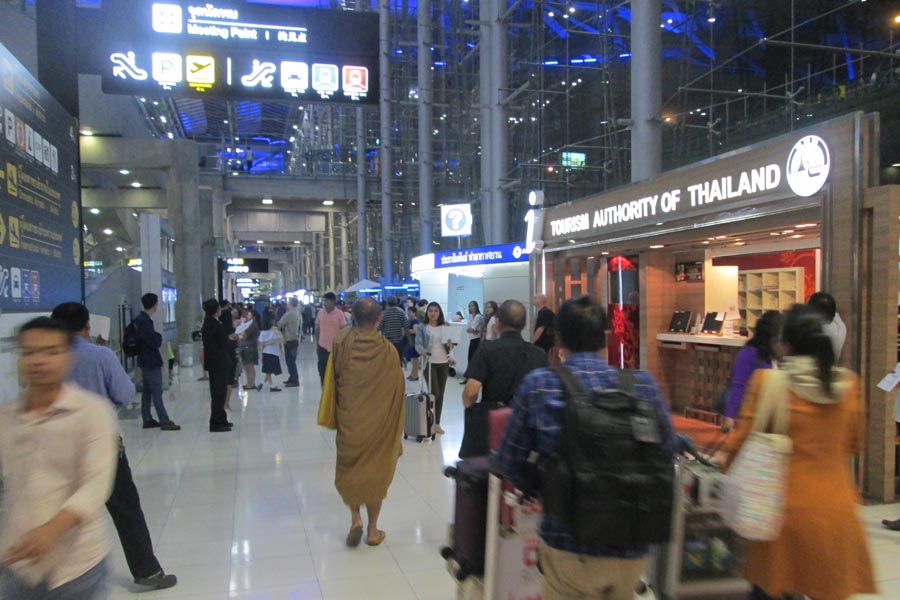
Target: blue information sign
{"x":485,"y":255}
{"x":40,"y":215}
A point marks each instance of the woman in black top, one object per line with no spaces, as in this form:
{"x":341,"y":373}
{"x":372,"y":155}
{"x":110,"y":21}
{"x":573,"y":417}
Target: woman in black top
{"x":249,"y":352}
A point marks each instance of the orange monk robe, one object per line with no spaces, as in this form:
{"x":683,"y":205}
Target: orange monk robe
{"x":369,"y":404}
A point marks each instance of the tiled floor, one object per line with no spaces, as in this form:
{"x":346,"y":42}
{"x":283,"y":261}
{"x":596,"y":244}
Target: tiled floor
{"x":254,"y":514}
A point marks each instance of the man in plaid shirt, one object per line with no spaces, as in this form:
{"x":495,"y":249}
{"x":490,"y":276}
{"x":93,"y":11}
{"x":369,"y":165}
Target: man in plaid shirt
{"x":574,"y":570}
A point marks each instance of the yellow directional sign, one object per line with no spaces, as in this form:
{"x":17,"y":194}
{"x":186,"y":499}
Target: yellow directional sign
{"x":2,"y":230}
{"x":14,"y":232}
{"x":12,"y":180}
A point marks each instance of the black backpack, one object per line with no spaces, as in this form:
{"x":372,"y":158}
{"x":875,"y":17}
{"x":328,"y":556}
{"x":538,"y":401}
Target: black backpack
{"x":612,"y":482}
{"x":131,"y":341}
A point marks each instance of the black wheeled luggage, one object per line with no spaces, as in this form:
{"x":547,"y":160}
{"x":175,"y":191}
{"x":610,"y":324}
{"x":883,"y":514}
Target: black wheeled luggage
{"x":470,"y":519}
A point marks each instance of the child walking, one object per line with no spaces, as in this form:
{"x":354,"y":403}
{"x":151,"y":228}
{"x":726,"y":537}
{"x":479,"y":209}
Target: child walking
{"x":272,"y":346}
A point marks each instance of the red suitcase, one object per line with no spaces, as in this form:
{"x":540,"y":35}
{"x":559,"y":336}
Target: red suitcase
{"x":497,"y":426}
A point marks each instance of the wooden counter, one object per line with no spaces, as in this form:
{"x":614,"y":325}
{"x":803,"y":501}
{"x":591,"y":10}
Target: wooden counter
{"x":671,"y":340}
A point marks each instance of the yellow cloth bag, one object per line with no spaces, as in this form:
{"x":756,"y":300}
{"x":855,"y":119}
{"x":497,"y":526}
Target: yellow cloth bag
{"x":327,"y":412}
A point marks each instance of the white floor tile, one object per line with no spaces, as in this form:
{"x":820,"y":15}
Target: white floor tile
{"x":253,"y":514}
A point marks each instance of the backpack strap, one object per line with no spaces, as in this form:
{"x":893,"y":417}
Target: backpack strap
{"x":628,"y":381}
{"x":569,"y":381}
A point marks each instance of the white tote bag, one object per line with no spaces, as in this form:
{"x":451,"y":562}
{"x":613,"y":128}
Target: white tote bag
{"x":756,"y":482}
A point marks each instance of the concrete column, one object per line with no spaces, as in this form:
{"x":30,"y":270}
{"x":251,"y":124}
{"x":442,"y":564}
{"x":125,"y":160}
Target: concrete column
{"x":183,"y":199}
{"x":320,"y":253}
{"x":646,"y":90}
{"x":499,"y":147}
{"x":151,"y":262}
{"x":308,"y":281}
{"x":484,"y":100}
{"x":426,"y":158}
{"x":387,"y":159}
{"x":362,"y":240}
{"x":332,"y":277}
{"x":345,"y":253}
{"x":208,"y":285}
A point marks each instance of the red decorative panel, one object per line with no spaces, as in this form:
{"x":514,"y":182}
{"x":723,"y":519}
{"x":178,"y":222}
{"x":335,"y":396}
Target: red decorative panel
{"x":624,"y":312}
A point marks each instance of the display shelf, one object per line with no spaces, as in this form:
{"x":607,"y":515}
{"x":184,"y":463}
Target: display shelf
{"x":768,"y":289}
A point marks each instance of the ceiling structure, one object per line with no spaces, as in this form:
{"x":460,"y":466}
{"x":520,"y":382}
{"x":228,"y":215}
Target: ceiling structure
{"x":734,"y":72}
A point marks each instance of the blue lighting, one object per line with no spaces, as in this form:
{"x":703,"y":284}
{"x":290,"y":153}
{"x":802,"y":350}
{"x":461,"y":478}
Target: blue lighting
{"x":551,"y":63}
{"x":625,"y":55}
{"x":440,"y":63}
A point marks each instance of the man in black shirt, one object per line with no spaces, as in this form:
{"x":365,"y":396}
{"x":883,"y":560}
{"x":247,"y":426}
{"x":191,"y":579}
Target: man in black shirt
{"x":543,"y":336}
{"x":218,"y":363}
{"x":498,"y":367}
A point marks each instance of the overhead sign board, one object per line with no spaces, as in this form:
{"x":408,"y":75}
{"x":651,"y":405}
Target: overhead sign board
{"x":40,"y":214}
{"x":237,"y":49}
{"x":797,"y":164}
{"x":456,"y":220}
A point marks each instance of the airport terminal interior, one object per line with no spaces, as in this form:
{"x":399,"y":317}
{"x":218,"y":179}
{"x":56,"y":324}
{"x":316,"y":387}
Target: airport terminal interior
{"x":690,"y":164}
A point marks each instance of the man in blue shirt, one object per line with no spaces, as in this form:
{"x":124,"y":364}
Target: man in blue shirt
{"x":97,"y":369}
{"x":150,"y":361}
{"x":573,"y":569}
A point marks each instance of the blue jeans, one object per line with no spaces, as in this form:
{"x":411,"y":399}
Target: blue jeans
{"x":152,"y":389}
{"x":90,"y":586}
{"x":290,"y":357}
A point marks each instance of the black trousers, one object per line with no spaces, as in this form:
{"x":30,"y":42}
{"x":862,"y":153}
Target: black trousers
{"x":124,"y":506}
{"x":473,"y":347}
{"x":437,"y":383}
{"x":322,"y":359}
{"x":218,"y":388}
{"x":290,"y":357}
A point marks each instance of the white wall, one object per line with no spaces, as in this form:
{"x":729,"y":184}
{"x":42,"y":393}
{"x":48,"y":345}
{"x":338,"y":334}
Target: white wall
{"x":507,"y":282}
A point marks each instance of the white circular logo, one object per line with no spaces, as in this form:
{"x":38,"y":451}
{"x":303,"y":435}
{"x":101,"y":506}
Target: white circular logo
{"x":517,"y":252}
{"x":808,"y":165}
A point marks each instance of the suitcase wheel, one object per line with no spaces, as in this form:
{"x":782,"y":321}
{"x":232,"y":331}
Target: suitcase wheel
{"x":450,"y":472}
{"x":419,"y":438}
{"x":405,"y":436}
{"x":432,"y":437}
{"x":446,"y":552}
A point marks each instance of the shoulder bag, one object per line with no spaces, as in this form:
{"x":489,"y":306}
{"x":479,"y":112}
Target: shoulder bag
{"x":756,"y":483}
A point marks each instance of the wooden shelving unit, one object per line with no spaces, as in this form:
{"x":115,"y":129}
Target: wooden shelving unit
{"x":768,"y":289}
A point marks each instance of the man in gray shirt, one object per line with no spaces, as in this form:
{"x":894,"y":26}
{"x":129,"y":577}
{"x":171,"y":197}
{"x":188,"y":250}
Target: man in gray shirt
{"x":289,"y":324}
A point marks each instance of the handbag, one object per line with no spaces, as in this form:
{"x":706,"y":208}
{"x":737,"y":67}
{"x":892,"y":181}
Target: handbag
{"x":756,"y":483}
{"x":327,"y":416}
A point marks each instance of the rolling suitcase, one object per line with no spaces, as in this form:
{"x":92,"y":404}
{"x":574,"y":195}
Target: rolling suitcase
{"x":470,"y":519}
{"x":419,"y":422}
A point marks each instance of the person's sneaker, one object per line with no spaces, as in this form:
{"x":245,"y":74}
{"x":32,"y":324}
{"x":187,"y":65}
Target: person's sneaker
{"x":892,"y":525}
{"x":287,"y":385}
{"x":219,"y":428}
{"x":275,"y":389}
{"x":151,"y":424}
{"x":170,"y":426}
{"x":259,"y":387}
{"x":160,"y":581}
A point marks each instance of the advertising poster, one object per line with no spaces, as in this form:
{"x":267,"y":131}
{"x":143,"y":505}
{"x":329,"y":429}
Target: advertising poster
{"x":40,"y":217}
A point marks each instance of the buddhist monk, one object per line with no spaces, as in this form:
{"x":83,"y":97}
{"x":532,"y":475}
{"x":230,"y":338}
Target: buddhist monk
{"x":369,"y":406}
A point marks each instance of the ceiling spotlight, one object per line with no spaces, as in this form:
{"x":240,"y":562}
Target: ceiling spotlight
{"x":95,"y":211}
{"x":805,"y":225}
{"x":267,"y":201}
{"x":135,"y":184}
{"x":124,"y":172}
{"x":711,"y":19}
{"x":108,"y":231}
{"x":120,"y":249}
{"x":296,"y":241}
{"x":572,"y":10}
{"x":260,"y":242}
{"x":328,"y":203}
{"x":551,"y":14}
{"x":605,"y":253}
{"x":657,"y":246}
{"x":86,"y":132}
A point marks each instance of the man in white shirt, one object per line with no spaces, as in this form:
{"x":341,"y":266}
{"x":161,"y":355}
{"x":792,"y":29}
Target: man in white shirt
{"x":58,"y":450}
{"x":833,"y":326}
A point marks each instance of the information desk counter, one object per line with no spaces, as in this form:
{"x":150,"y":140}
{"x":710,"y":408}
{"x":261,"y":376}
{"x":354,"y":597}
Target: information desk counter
{"x":696,"y":368}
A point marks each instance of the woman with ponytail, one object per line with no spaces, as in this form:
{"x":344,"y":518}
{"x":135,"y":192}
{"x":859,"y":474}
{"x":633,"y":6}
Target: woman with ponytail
{"x":822,"y":551}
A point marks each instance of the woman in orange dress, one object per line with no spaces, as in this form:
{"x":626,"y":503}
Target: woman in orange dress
{"x":822,"y":551}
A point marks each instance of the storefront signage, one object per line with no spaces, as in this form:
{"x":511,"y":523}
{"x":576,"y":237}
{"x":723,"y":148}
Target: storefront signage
{"x":456,"y":220}
{"x":244,"y":265}
{"x":40,"y":213}
{"x":802,"y":169}
{"x":486,"y":255}
{"x":236,"y":49}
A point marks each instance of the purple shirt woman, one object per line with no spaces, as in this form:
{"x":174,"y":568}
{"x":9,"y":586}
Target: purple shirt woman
{"x":757,"y":353}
